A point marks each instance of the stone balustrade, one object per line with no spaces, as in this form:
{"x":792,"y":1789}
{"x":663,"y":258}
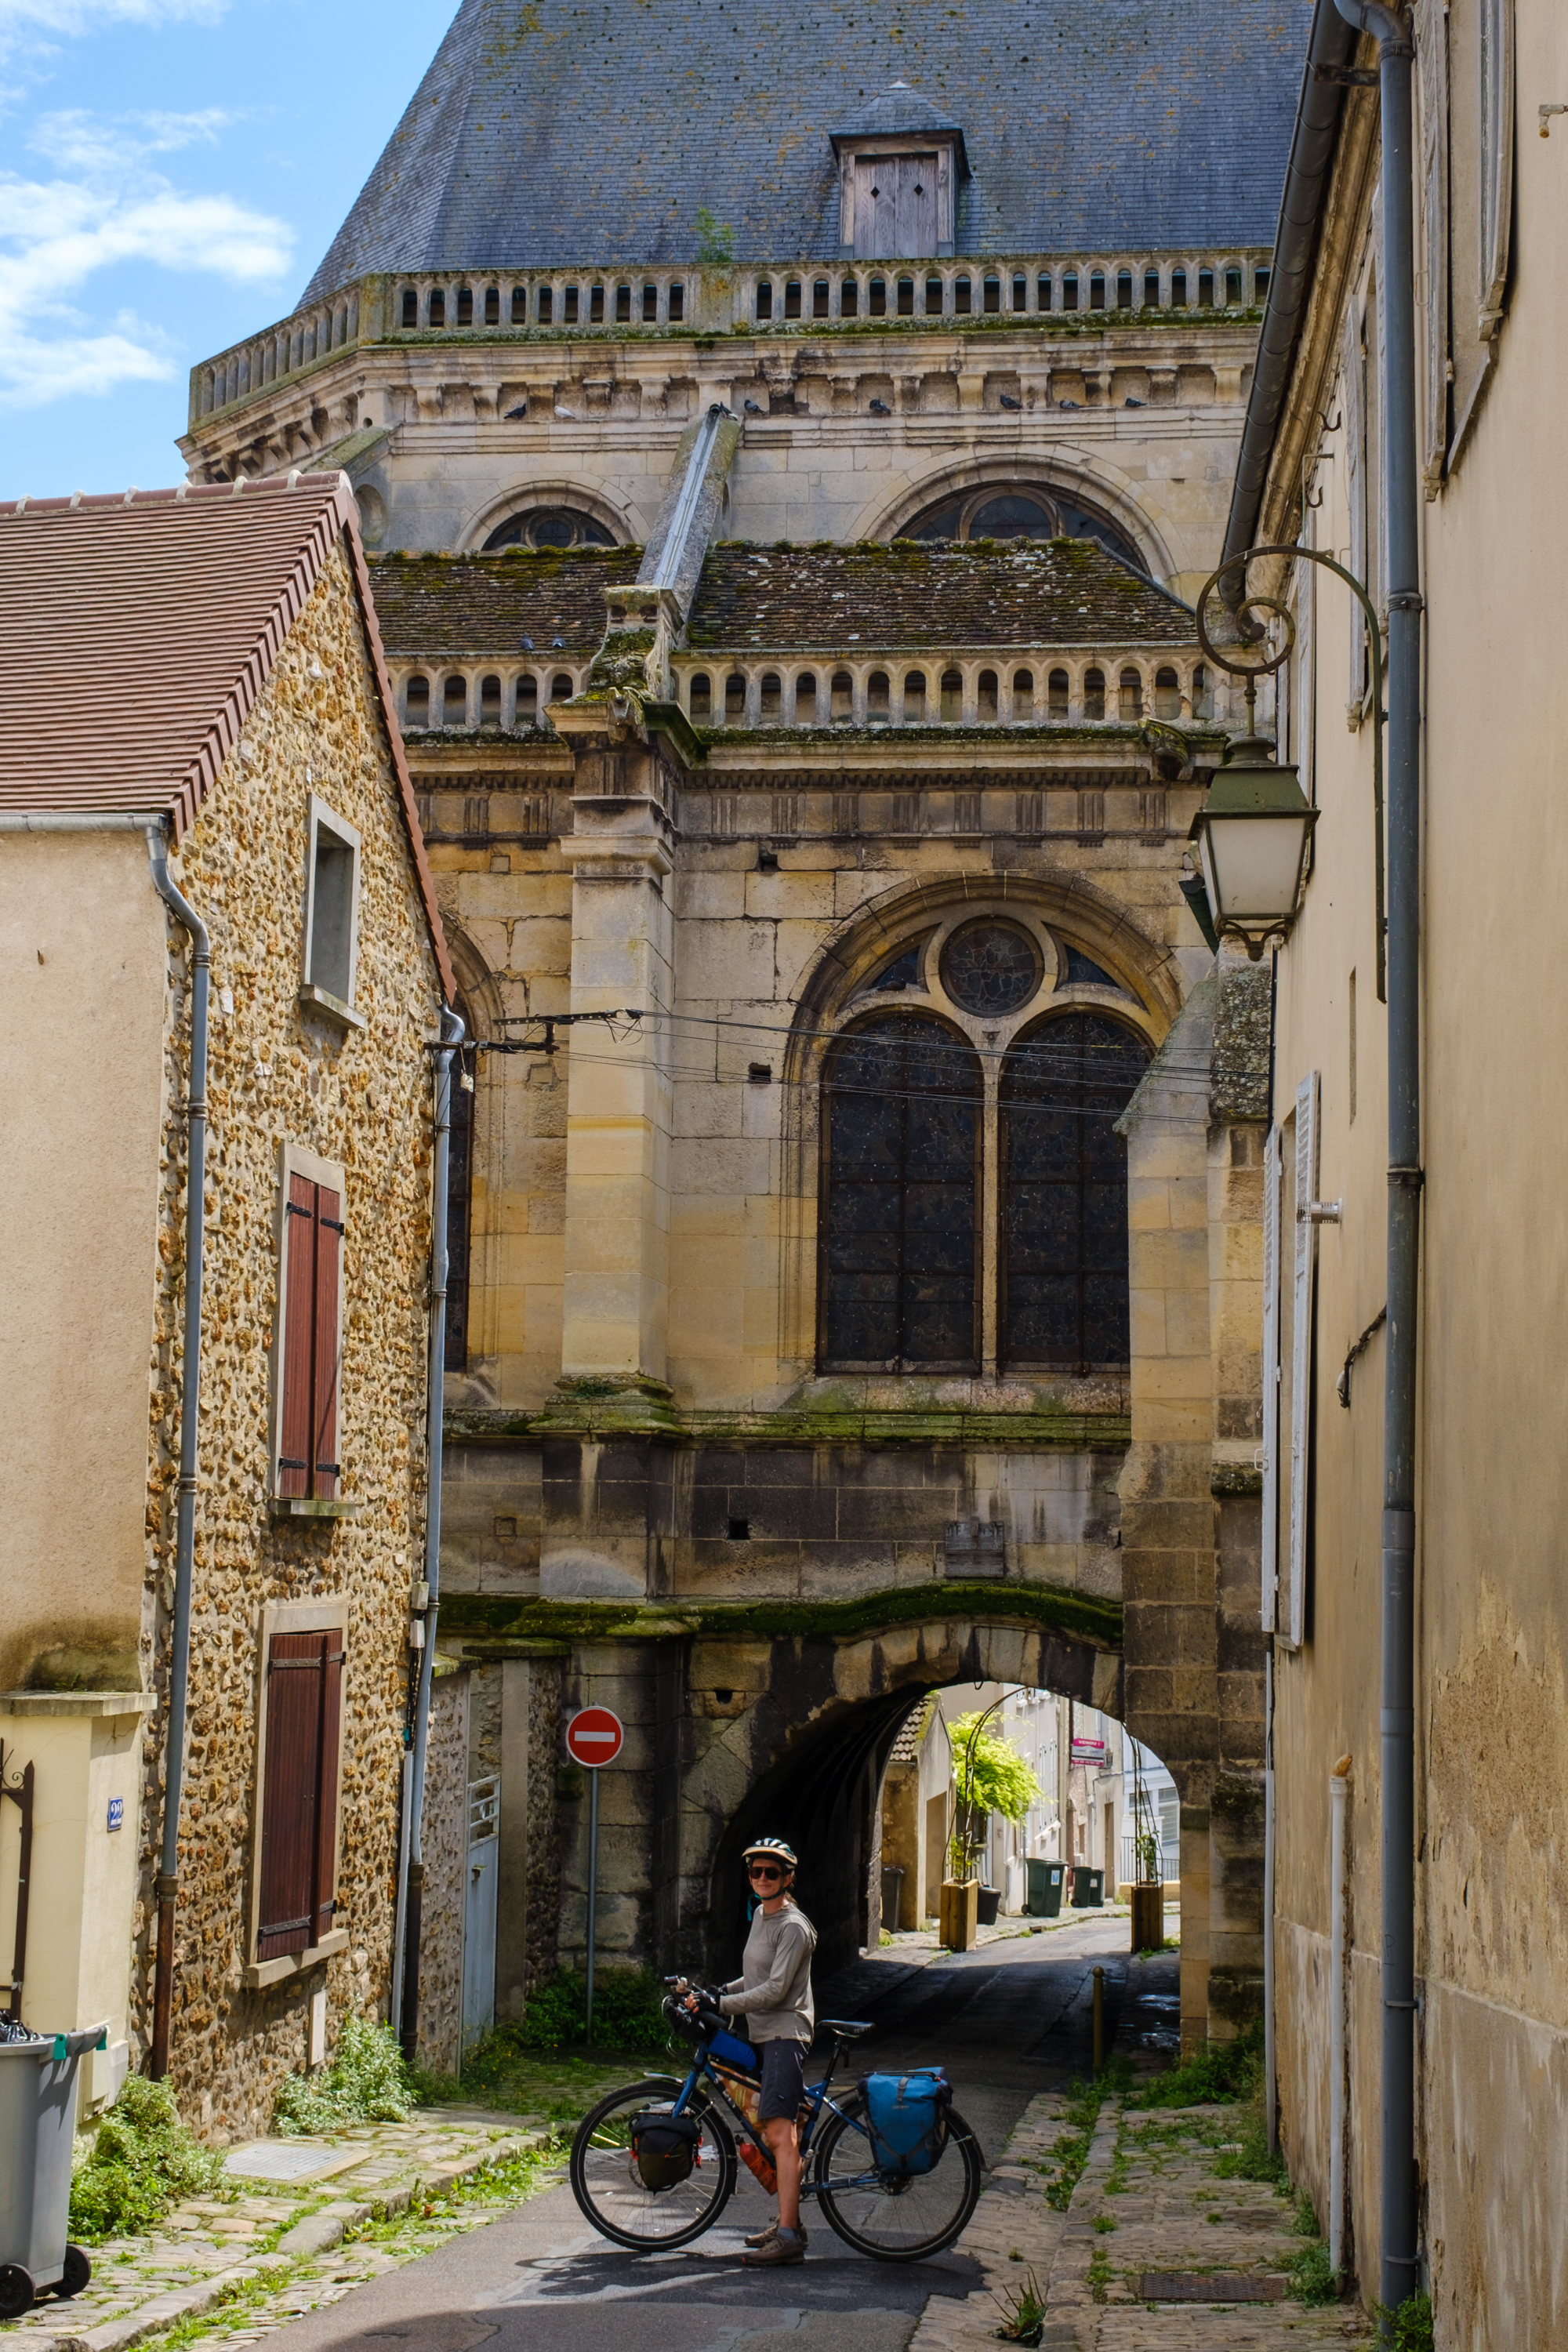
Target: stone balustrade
{"x":1124,"y":288}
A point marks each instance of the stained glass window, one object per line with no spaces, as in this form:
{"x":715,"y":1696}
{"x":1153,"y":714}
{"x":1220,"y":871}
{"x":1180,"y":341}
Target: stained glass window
{"x":1064,"y":1240}
{"x":904,"y":971}
{"x":903,"y":1132}
{"x":991,"y":967}
{"x":1083,"y":970}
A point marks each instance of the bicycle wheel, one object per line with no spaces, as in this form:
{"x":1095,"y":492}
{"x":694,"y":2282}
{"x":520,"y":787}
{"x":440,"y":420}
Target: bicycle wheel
{"x":612,"y":2194}
{"x":895,"y":2217}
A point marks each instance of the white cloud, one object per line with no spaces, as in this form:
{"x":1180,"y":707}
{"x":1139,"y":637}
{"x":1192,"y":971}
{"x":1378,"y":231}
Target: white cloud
{"x":35,"y":27}
{"x":107,"y":208}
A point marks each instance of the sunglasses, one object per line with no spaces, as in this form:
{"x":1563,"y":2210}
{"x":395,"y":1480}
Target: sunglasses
{"x":766,"y":1870}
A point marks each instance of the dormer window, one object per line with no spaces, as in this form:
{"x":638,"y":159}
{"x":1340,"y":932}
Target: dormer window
{"x":899,"y":166}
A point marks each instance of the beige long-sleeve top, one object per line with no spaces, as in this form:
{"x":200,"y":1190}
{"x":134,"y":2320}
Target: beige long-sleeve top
{"x":772,"y":1992}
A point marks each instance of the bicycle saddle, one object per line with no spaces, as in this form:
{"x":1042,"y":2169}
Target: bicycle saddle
{"x":845,"y":2028}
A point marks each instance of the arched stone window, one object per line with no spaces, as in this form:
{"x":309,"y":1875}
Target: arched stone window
{"x":1063,"y":1255}
{"x":901,"y":1129}
{"x":1021,"y":510}
{"x":550,"y":527}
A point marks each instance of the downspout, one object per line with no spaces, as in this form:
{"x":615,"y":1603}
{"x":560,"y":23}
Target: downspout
{"x":1399,"y":2212}
{"x":424,"y":1605}
{"x":1339,"y":1790}
{"x":168,"y":1879}
{"x":1270,"y":2045}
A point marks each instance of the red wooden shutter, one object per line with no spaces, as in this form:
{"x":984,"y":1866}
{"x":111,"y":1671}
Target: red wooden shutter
{"x":294,"y":1435}
{"x":300,"y":1791}
{"x":329,"y":1256}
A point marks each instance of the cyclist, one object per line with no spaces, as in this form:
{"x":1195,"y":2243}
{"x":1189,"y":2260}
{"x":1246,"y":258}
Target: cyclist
{"x":774,"y":1993}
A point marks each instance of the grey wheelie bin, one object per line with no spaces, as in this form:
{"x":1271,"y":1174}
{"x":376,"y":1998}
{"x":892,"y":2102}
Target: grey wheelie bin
{"x":37,"y":2125}
{"x":1046,"y":1880}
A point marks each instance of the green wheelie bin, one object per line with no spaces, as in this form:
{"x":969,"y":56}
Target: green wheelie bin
{"x":1045,"y":1883}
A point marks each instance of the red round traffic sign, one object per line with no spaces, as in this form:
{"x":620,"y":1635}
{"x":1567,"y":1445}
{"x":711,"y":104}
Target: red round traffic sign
{"x":593,"y":1737}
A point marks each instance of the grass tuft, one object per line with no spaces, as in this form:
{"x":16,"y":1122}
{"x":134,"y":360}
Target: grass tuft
{"x":1213,"y":2076}
{"x":1023,"y":2310}
{"x":367,"y":2082}
{"x":142,"y":2161}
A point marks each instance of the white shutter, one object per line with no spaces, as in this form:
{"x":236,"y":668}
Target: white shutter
{"x":1353,"y":380}
{"x":1271,"y":1178}
{"x":1432,"y":60}
{"x":1496,"y":156}
{"x":1301,"y":1349}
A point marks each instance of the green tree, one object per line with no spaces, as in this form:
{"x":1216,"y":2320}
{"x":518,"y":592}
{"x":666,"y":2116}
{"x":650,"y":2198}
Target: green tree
{"x":990,"y":1777}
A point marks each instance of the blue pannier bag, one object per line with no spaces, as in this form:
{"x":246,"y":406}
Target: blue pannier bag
{"x":906,"y":2115}
{"x":732,"y":2052}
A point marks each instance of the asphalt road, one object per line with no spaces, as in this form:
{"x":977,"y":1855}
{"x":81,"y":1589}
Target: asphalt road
{"x":1009,"y":2021}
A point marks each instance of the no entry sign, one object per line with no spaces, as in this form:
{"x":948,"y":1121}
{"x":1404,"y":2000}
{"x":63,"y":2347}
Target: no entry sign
{"x":593,"y":1737}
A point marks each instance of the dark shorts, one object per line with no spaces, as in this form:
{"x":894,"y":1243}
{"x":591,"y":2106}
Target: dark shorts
{"x":784,"y":2079}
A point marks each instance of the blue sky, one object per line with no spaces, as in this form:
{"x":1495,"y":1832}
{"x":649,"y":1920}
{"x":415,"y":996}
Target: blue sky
{"x":171,"y":172}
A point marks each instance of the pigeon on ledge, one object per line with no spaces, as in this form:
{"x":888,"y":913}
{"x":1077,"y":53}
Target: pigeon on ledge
{"x":1135,"y":404}
{"x":513,"y":413}
{"x":753,"y":408}
{"x":1069,"y":404}
{"x":1007,"y":400}
{"x":880,"y":408}
{"x":527,"y":645}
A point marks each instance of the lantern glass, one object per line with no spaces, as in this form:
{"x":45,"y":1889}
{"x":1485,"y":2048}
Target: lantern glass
{"x":1252,"y":865}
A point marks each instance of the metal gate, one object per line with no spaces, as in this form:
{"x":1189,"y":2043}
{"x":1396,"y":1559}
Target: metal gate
{"x":479,"y":1910}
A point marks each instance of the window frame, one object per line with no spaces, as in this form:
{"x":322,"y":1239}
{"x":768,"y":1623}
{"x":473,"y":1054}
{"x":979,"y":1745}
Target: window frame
{"x":325,"y":1616}
{"x":295,"y":1161}
{"x":324,"y":818}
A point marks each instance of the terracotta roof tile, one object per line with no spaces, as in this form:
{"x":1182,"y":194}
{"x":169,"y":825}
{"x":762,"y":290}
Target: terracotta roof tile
{"x":137,"y":630}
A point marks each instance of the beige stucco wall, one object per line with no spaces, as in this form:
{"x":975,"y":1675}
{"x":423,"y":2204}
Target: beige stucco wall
{"x":81,"y":930}
{"x":1492,"y":1617}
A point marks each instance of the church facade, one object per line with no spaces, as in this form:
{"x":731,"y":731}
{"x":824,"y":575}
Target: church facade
{"x":784,"y":541}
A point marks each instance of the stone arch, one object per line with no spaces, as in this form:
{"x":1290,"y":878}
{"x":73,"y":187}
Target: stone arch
{"x":1101,"y":482}
{"x":557,"y":491}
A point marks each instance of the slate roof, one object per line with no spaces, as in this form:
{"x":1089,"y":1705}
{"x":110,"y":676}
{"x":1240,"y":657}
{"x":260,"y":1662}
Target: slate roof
{"x":1058,"y":591}
{"x":582,"y":133}
{"x":137,"y":630}
{"x":437,"y":604}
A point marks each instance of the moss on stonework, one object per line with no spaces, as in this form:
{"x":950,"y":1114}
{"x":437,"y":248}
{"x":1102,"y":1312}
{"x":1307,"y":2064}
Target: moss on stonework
{"x":586,"y":1411}
{"x":1236,"y":1995}
{"x":1234,"y":1795}
{"x":495,"y":1618}
{"x":1234,"y":1478}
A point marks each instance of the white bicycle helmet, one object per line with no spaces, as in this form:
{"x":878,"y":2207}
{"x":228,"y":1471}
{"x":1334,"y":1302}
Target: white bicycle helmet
{"x":773,"y":1850}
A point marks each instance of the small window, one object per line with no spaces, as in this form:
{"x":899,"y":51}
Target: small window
{"x":561,"y":687}
{"x":952,"y":703}
{"x":1167,"y":694}
{"x":734,"y":699}
{"x":546,"y":305}
{"x":1058,"y":693}
{"x":906,"y":297}
{"x":934,"y":293}
{"x":1020,"y":290}
{"x":492,"y":306}
{"x":298,"y":1770}
{"x":791,"y":298}
{"x":410,"y":307}
{"x":1043,"y":290}
{"x":677,"y":303}
{"x":772,"y":697}
{"x":843,"y":699}
{"x":1233,"y":285}
{"x":417,"y":701}
{"x":455,"y":701}
{"x":1131,"y":697}
{"x":1023,"y":693}
{"x":877,"y":307}
{"x":1151,"y":289}
{"x":1094,"y":694}
{"x":528,"y":700}
{"x":877,"y":695}
{"x":1203,"y":706}
{"x":465,"y":306}
{"x":1206,"y":289}
{"x":1069,"y":289}
{"x":595,"y":306}
{"x":986,"y":696}
{"x":915,"y":698}
{"x":332,"y":905}
{"x":1096,"y":289}
{"x":821,"y":297}
{"x":1124,"y":290}
{"x":806,"y":701}
{"x":1261,"y":285}
{"x":764,"y":298}
{"x":990,"y":295}
{"x":649,"y":305}
{"x":489,"y":702}
{"x":1178,"y":289}
{"x":520,"y":305}
{"x":437,"y":308}
{"x":849,"y":297}
{"x":623,"y":306}
{"x":570,"y":305}
{"x":699,"y":695}
{"x":960,"y":294}
{"x":309,"y":1333}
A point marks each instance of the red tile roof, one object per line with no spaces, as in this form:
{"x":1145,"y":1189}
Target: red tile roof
{"x":137,"y":630}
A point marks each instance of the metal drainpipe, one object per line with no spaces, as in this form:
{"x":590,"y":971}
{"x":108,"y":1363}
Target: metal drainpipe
{"x":168,"y":1879}
{"x":1399,"y":2202}
{"x":411,"y":1909}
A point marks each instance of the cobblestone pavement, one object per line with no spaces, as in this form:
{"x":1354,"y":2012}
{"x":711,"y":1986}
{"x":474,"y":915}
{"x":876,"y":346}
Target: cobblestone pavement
{"x":281,"y":2228}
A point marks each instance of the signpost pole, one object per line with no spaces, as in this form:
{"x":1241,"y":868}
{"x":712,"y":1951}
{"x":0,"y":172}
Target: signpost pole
{"x":593,"y":1895}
